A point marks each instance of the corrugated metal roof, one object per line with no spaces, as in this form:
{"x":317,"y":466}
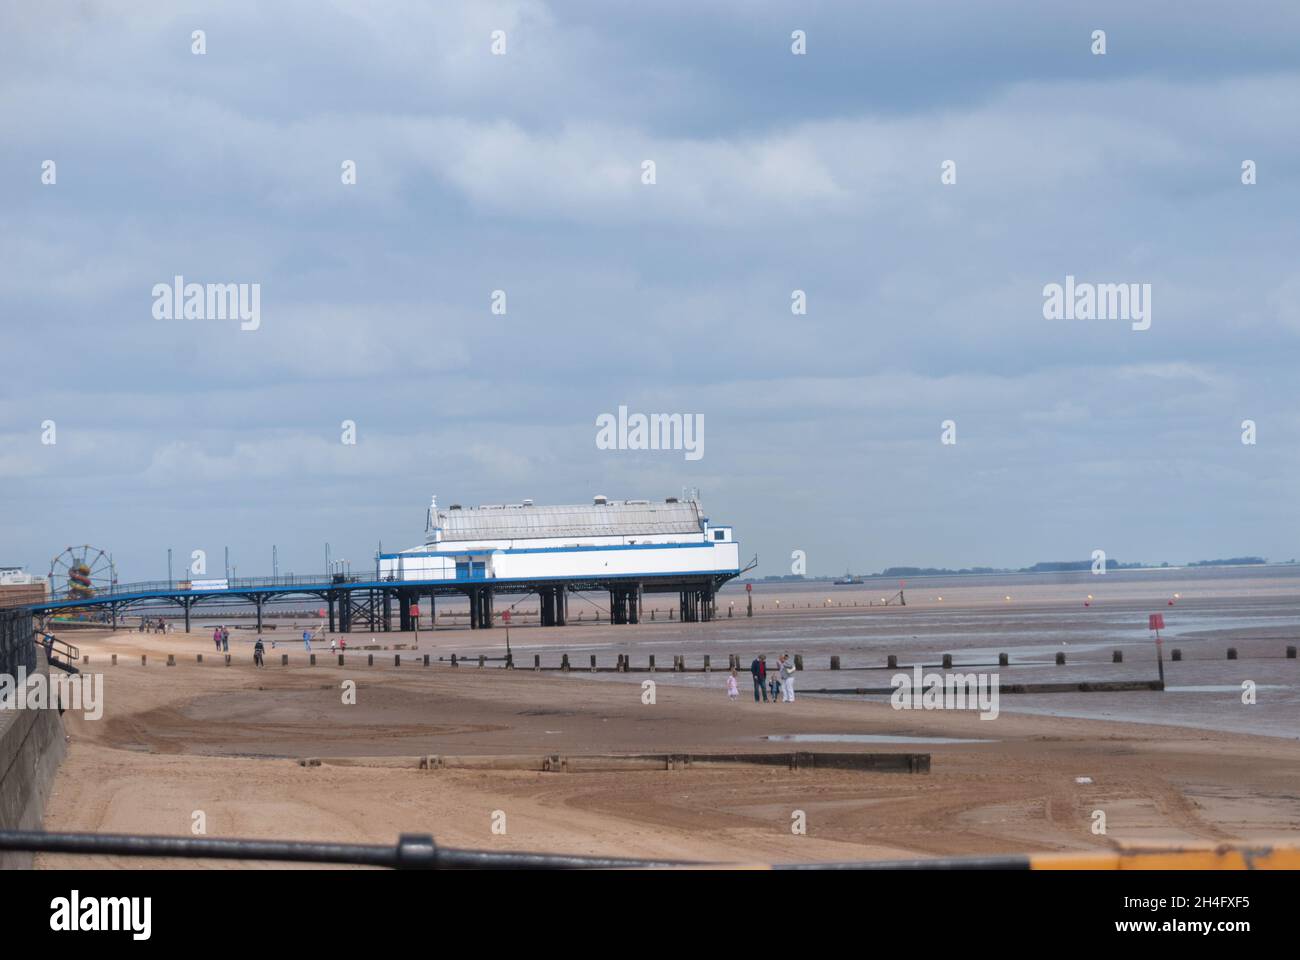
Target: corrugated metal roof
{"x":580,"y":520}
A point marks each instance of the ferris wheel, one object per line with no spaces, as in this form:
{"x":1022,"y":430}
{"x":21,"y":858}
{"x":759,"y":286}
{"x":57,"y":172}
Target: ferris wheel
{"x":79,"y":573}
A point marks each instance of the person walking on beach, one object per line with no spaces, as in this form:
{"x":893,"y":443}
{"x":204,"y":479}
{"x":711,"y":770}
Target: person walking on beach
{"x":258,"y":651}
{"x":306,"y":640}
{"x":331,"y":646}
{"x":774,"y":679}
{"x":758,"y":670}
{"x":733,"y":690}
{"x":787,"y":678}
{"x":225,"y":640}
{"x":216,"y":637}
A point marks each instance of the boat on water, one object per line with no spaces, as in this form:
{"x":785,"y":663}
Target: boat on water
{"x":849,"y":580}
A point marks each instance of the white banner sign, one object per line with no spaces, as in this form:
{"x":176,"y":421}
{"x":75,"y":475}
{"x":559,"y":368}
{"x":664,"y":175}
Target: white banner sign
{"x":209,"y":585}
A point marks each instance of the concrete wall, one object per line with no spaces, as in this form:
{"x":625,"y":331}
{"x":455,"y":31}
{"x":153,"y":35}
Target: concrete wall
{"x":32,"y":745}
{"x":21,"y":594}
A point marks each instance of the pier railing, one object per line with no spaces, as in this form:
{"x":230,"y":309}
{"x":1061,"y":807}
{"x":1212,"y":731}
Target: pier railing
{"x":233,"y":584}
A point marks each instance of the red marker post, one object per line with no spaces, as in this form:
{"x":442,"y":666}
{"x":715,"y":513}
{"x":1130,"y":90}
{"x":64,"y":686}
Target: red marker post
{"x":415,"y":615}
{"x":1156,"y":622}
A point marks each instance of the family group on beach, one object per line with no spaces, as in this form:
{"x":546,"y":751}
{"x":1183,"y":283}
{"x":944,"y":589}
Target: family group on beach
{"x":221,"y":638}
{"x":780,"y":681}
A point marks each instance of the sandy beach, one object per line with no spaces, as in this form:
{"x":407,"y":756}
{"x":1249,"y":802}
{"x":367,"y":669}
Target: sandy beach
{"x":224,"y":742}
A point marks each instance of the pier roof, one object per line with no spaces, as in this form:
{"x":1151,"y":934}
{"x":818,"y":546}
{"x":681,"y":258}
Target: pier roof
{"x":578,"y":520}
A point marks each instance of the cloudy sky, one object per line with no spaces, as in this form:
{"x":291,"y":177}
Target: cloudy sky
{"x":774,"y":172}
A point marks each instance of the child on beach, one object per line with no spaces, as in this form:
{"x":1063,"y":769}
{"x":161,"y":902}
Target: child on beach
{"x":733,"y":691}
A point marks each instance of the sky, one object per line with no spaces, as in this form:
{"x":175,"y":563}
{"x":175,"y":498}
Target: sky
{"x":523,"y":170}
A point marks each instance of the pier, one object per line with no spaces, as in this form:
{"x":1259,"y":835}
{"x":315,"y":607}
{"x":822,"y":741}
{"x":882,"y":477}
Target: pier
{"x":375,"y":604}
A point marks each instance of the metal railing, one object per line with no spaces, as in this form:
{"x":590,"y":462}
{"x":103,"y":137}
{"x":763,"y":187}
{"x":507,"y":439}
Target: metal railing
{"x":233,"y":584}
{"x":421,"y":852}
{"x":412,"y":852}
{"x":59,"y":653}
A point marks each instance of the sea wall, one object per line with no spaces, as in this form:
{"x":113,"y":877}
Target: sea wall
{"x":32,"y":742}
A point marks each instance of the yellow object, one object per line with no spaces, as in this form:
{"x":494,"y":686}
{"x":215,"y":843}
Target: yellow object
{"x":1225,"y":856}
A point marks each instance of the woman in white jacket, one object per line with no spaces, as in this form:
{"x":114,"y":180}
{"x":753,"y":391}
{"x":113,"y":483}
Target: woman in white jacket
{"x":787,"y":678}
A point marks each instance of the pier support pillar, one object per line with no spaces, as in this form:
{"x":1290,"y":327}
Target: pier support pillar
{"x":553,"y":606}
{"x":624,"y":606}
{"x":404,"y":600}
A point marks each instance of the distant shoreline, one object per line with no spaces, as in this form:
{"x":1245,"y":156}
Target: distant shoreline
{"x":934,"y":573}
